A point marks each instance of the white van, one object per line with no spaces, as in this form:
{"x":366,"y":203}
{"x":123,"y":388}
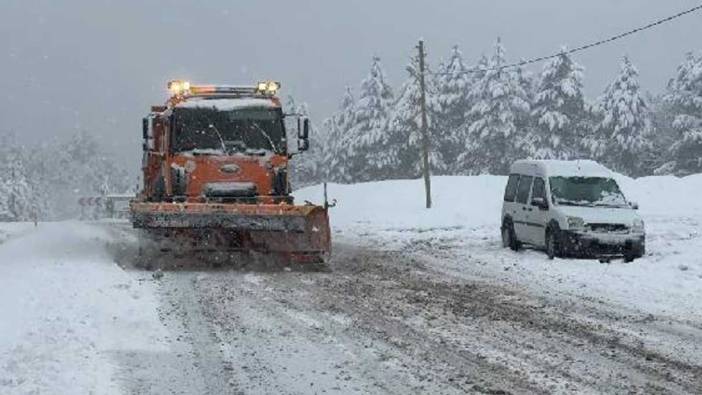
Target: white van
{"x":570,"y":208}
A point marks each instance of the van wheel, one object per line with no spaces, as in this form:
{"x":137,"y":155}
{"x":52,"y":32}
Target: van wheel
{"x":509,"y":238}
{"x":552,"y":247}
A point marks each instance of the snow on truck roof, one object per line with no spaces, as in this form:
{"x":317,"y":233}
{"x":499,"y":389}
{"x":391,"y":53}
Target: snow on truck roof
{"x":226,"y":104}
{"x":563,"y":168}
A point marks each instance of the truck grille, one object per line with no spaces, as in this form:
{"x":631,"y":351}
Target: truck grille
{"x":230,"y":189}
{"x":609,"y":228}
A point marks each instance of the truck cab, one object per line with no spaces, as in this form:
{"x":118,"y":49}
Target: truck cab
{"x":223,"y":144}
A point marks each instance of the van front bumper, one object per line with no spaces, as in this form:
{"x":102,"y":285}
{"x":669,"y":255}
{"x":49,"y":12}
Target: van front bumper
{"x":590,"y":244}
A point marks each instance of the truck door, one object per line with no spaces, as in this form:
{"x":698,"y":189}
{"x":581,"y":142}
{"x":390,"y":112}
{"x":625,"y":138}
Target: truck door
{"x":522,"y":209}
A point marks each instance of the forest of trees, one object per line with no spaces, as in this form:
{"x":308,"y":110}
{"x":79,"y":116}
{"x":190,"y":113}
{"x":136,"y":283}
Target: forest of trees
{"x":45,"y":181}
{"x":482,"y":118}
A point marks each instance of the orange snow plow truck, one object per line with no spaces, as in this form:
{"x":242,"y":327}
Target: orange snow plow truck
{"x":215,"y":181}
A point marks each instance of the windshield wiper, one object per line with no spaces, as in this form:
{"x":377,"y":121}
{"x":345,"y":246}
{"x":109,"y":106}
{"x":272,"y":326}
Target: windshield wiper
{"x":572,"y":203}
{"x":263,"y":132}
{"x":219,"y":135}
{"x":609,"y":205}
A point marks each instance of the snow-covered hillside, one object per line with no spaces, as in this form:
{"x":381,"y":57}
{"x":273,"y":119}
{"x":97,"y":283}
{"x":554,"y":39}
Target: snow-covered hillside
{"x":462,"y":231}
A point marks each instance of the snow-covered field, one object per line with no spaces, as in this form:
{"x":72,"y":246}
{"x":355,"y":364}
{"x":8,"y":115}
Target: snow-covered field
{"x":462,"y":231}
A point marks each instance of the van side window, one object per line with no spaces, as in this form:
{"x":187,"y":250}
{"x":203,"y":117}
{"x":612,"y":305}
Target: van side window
{"x":511,"y":190}
{"x":524,"y":188}
{"x":539,"y":189}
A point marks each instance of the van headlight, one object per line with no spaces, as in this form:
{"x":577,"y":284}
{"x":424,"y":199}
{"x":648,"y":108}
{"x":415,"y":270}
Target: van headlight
{"x":575,"y":223}
{"x":638,"y":226}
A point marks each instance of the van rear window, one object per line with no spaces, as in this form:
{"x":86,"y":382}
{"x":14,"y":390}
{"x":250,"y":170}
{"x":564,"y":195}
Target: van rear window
{"x":511,"y":190}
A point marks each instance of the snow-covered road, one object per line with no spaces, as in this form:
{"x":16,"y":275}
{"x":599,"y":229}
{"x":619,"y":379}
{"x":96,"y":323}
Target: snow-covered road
{"x":414,"y":302}
{"x":73,"y":322}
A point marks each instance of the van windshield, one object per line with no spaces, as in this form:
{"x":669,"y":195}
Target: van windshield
{"x":586,"y":191}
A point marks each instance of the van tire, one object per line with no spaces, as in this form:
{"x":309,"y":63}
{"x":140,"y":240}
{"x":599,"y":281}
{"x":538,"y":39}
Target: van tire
{"x":509,"y":237}
{"x":553,"y":248}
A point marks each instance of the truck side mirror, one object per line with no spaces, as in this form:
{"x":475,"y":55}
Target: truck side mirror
{"x":145,"y":128}
{"x":303,"y":133}
{"x":303,"y":145}
{"x":634,"y":205}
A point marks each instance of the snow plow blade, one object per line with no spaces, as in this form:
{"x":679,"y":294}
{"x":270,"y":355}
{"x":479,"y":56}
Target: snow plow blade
{"x":211,"y":231}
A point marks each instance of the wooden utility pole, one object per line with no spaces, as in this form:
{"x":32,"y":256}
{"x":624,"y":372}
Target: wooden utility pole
{"x":425,"y":131}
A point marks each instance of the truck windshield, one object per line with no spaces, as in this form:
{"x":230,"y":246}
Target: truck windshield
{"x":210,"y":131}
{"x":586,"y":191}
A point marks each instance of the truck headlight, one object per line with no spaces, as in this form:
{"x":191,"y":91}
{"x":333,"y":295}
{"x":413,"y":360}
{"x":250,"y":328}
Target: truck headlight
{"x":575,"y":223}
{"x":638,"y":226}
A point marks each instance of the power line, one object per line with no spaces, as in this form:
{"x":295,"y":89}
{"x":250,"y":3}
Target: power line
{"x":580,"y":48}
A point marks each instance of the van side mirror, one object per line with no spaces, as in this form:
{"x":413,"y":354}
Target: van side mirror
{"x":634,"y":205}
{"x":540,"y":202}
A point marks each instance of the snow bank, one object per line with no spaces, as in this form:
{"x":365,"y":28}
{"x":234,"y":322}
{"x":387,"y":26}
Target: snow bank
{"x":462,"y":230}
{"x":665,"y":195}
{"x":68,"y":312}
{"x":458,"y":201}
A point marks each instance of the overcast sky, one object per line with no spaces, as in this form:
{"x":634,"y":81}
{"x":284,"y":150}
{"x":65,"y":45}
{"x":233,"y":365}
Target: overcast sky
{"x":98,"y":64}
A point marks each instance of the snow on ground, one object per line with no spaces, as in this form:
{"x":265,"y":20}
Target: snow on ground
{"x":14,"y":229}
{"x":68,"y":312}
{"x":462,"y":231}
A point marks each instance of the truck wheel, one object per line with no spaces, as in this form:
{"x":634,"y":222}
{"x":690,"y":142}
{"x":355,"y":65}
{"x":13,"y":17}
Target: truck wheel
{"x":509,"y":238}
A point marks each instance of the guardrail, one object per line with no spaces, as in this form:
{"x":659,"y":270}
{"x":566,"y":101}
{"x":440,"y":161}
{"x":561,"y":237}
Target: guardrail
{"x":105,"y":206}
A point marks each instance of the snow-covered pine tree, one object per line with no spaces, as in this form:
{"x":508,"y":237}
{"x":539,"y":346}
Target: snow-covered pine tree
{"x":526,"y":138}
{"x":685,"y":96}
{"x":404,"y":126}
{"x":559,"y":110}
{"x":525,"y":79}
{"x":449,"y":103}
{"x":623,"y":135}
{"x":663,"y":135}
{"x":370,"y":154}
{"x":5,"y":215}
{"x":335,"y":161}
{"x":83,"y":168}
{"x":21,"y":200}
{"x":490,"y":135}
